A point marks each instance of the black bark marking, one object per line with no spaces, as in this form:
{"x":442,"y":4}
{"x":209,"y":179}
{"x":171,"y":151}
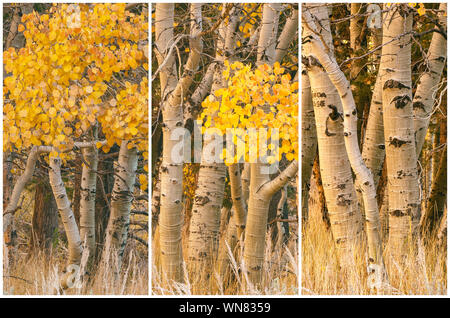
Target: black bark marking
{"x":397,"y":142}
{"x":419,"y":105}
{"x":201,"y":200}
{"x":401,"y":101}
{"x":341,"y":240}
{"x":341,"y":201}
{"x":399,"y":213}
{"x":394,"y":84}
{"x":334,"y":115}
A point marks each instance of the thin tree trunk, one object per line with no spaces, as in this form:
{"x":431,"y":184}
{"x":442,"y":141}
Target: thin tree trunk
{"x":121,"y":199}
{"x":75,"y":246}
{"x":424,"y":97}
{"x":364,"y":180}
{"x":87,"y":199}
{"x":76,"y":195}
{"x":335,"y":169}
{"x":309,"y":141}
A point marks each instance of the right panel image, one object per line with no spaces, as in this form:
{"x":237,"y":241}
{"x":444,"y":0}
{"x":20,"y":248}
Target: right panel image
{"x":374,"y":149}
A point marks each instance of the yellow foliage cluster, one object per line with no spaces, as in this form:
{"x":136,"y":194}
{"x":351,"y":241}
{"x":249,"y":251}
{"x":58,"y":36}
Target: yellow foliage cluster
{"x":74,"y":59}
{"x":190,"y":172}
{"x":264,"y":97}
{"x":248,"y":22}
{"x":125,"y":117}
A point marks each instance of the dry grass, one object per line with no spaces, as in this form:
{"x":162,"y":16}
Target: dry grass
{"x":423,"y":273}
{"x":40,"y":274}
{"x":280,"y":274}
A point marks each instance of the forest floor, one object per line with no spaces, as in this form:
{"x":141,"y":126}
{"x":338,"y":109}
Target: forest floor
{"x":423,"y":273}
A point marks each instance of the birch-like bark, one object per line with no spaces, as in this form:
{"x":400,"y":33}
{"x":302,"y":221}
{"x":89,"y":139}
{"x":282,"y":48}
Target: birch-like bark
{"x":173,"y":92}
{"x":373,"y":147}
{"x":87,"y":199}
{"x":75,"y":246}
{"x":289,"y":31}
{"x":281,"y":226}
{"x":399,"y":129}
{"x":121,"y":199}
{"x":258,"y":203}
{"x":364,"y":180}
{"x":237,"y":198}
{"x":205,"y":220}
{"x":428,"y":83}
{"x":335,"y":170}
{"x":309,"y":141}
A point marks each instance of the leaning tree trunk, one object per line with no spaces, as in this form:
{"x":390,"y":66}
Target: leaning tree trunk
{"x":401,"y":155}
{"x":75,"y":246}
{"x":335,"y":170}
{"x":87,"y":199}
{"x":121,"y":199}
{"x":424,"y":97}
{"x":364,"y":180}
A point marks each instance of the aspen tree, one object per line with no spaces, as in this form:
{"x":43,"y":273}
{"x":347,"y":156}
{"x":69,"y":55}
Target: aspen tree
{"x":173,"y":91}
{"x":428,"y":83}
{"x":399,"y":128}
{"x":334,"y":164}
{"x":205,"y":221}
{"x":364,"y":180}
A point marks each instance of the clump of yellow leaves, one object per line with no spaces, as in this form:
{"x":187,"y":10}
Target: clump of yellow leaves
{"x":190,"y":174}
{"x":75,"y":58}
{"x":264,"y":97}
{"x":125,"y":117}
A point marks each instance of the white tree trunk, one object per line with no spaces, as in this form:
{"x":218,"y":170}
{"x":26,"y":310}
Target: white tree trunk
{"x":364,"y":180}
{"x":87,"y":199}
{"x":205,"y":221}
{"x":399,"y":129}
{"x":70,"y":226}
{"x":335,"y":170}
{"x":173,"y":93}
{"x":121,"y":199}
{"x":427,"y":88}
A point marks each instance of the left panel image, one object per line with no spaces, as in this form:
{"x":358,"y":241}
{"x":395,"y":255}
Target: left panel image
{"x":75,"y":149}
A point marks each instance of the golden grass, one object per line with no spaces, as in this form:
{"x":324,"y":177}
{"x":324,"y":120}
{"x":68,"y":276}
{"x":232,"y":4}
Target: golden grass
{"x":280,"y":274}
{"x":40,"y":274}
{"x":423,"y":273}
